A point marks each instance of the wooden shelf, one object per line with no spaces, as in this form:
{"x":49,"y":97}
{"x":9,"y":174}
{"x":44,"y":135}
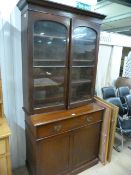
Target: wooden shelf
{"x":45,"y":82}
{"x":49,"y":36}
{"x":79,"y":60}
{"x":81,"y":81}
{"x":88,"y":66}
{"x":89,"y":40}
{"x":43,"y":60}
{"x":49,"y":66}
{"x":46,"y":101}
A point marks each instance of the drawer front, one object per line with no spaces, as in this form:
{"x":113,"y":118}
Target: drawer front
{"x":93,"y":118}
{"x":67,"y":125}
{"x":2,"y":147}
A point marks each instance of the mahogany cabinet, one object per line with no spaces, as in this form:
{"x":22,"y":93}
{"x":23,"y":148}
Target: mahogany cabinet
{"x":63,"y":142}
{"x":59,"y":50}
{"x":59,"y":62}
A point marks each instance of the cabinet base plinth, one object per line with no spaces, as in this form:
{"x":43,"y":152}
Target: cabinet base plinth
{"x":74,"y":172}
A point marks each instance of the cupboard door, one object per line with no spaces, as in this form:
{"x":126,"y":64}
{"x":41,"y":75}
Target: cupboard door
{"x":85,"y":144}
{"x":83,"y":61}
{"x":50,"y":52}
{"x":53,"y":155}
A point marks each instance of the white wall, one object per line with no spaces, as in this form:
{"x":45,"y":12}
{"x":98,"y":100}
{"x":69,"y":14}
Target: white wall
{"x":10,"y":56}
{"x":109,"y":59}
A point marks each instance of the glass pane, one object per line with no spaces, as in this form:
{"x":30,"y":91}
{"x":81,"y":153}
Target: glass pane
{"x":82,"y":74}
{"x":48,"y":86}
{"x":84,"y":46}
{"x":80,"y":91}
{"x":50,"y":39}
{"x":49,"y":95}
{"x":55,"y":74}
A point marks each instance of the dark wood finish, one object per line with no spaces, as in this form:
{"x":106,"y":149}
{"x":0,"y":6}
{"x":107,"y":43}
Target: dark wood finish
{"x":71,"y":18}
{"x":67,"y":125}
{"x":87,"y":148}
{"x":54,"y":155}
{"x":28,"y":71}
{"x":75,"y":24}
{"x":67,"y":144}
{"x":60,"y":138}
{"x":21,"y":4}
{"x":47,"y":118}
{"x":25,"y":62}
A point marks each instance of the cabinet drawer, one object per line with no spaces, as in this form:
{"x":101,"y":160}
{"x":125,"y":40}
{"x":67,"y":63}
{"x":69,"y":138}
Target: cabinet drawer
{"x":67,"y":125}
{"x":58,"y":127}
{"x":93,"y":118}
{"x":2,"y":146}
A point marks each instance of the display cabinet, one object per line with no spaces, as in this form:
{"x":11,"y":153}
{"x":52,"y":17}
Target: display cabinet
{"x":59,"y":61}
{"x":60,"y":51}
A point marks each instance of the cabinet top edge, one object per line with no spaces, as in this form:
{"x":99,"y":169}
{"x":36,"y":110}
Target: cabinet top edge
{"x":42,"y":119}
{"x":45,"y":3}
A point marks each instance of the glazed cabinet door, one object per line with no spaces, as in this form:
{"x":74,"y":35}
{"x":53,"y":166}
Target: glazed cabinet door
{"x":84,"y":44}
{"x":85,"y":144}
{"x":48,"y":35}
{"x":53,"y":155}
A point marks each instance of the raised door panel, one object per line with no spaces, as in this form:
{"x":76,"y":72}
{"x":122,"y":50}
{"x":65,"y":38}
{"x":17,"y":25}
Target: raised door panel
{"x":85,"y":144}
{"x":3,"y":166}
{"x":53,"y":156}
{"x":83,"y":61}
{"x":48,"y":61}
{"x":2,"y":146}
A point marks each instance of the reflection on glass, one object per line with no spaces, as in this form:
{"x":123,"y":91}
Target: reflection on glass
{"x":50,"y":40}
{"x":83,"y":63}
{"x":54,"y":73}
{"x":49,"y":55}
{"x":82,"y":73}
{"x":50,"y":95}
{"x":84,"y":46}
{"x":80,"y":92}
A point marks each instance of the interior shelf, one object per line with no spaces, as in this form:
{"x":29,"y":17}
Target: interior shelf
{"x":45,"y":82}
{"x":49,"y":36}
{"x":49,"y":66}
{"x":80,"y":60}
{"x":81,"y":81}
{"x":88,"y":66}
{"x":47,"y":100}
{"x":42,"y":60}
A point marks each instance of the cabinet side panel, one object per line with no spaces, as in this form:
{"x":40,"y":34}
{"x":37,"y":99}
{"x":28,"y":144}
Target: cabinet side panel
{"x":25,"y":64}
{"x":30,"y":152}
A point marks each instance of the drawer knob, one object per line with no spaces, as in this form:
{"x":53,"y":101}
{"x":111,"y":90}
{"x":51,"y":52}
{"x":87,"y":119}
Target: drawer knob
{"x":57,"y":128}
{"x":89,"y":119}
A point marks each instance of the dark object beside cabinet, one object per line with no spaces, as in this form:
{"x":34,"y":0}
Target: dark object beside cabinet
{"x":59,"y":61}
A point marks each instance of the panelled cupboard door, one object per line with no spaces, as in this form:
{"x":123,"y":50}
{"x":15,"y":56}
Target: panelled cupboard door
{"x":53,"y":155}
{"x":3,"y":166}
{"x":49,"y":40}
{"x":85,"y":144}
{"x":84,"y":46}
